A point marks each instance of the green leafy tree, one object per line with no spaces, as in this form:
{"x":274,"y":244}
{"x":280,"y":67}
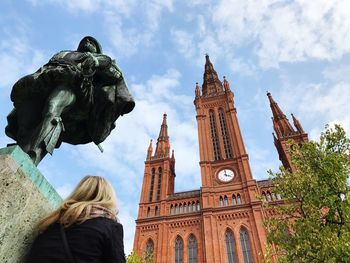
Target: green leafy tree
{"x":313,"y":225}
{"x":134,"y":258}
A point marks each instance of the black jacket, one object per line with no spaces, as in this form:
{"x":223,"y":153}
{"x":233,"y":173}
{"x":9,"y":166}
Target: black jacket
{"x":97,"y":240}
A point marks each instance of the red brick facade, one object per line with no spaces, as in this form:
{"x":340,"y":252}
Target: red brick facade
{"x":223,"y":220}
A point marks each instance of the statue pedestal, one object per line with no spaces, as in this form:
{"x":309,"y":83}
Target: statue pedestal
{"x":25,"y":198}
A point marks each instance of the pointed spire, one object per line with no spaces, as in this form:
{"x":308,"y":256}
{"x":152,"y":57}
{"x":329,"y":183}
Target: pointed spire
{"x":163,"y":145}
{"x":226,"y":85}
{"x":281,"y":124}
{"x":150,"y":150}
{"x":197,"y":91}
{"x":297,"y":124}
{"x":211,"y":82}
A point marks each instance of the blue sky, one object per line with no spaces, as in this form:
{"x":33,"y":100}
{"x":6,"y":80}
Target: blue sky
{"x":297,"y":50}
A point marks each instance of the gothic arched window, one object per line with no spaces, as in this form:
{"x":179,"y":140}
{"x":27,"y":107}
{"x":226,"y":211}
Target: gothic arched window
{"x":192,"y":249}
{"x":193,"y":206}
{"x":179,"y":250}
{"x":149,"y":246}
{"x":239,"y":201}
{"x":245,"y":244}
{"x":152,"y":185}
{"x":221,"y":201}
{"x":148,"y":211}
{"x":269,"y":197}
{"x":225,"y":201}
{"x":198,"y":206}
{"x":225,"y":136}
{"x":189,"y":207}
{"x":159,"y":182}
{"x":172,"y":209}
{"x":234,"y":201}
{"x":185,"y":208}
{"x":230,"y":247}
{"x":156,"y":212}
{"x":214,"y":136}
{"x":180,"y":208}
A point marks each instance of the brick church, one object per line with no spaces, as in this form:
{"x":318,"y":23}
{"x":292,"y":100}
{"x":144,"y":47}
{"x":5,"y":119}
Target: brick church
{"x":222,"y":221}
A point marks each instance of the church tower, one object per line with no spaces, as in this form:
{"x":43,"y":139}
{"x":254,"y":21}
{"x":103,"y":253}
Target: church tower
{"x":284,"y":132}
{"x":225,"y":170}
{"x":159,"y":175}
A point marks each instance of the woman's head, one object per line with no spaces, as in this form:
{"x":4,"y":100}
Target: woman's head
{"x":95,"y":190}
{"x":91,"y":191}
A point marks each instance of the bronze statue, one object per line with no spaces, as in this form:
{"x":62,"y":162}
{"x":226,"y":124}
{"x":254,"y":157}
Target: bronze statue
{"x":75,"y":98}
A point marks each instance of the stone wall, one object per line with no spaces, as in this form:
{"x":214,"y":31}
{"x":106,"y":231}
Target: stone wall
{"x":25,"y":198}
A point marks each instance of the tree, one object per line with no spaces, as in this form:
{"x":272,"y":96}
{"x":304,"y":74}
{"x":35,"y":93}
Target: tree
{"x":134,"y":258}
{"x":313,"y":225}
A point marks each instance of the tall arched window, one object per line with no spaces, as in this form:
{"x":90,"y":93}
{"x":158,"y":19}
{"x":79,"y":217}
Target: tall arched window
{"x":172,"y":209}
{"x":214,"y":136}
{"x":234,"y":201}
{"x":180,"y":208}
{"x":148,"y":211}
{"x":159,"y":182}
{"x":225,"y":136}
{"x":156,"y":212}
{"x":179,"y":245}
{"x":149,"y":246}
{"x":268,"y":196}
{"x":192,"y":249}
{"x":230,"y":247}
{"x":198,"y":206}
{"x":225,"y":201}
{"x":239,"y":201}
{"x":221,"y":201}
{"x":193,"y":206}
{"x":189,"y":207}
{"x":176,"y":209}
{"x":185,"y":211}
{"x":152,"y":185}
{"x":245,"y":244}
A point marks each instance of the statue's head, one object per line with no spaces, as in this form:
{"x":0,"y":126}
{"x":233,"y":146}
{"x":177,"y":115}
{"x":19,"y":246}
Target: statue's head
{"x":89,"y":44}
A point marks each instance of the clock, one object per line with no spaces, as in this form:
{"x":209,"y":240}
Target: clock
{"x":226,"y":175}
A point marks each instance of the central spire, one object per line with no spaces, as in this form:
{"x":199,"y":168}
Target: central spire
{"x":211,"y":83}
{"x":163,"y":145}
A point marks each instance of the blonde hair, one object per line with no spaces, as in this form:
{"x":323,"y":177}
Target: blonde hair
{"x":91,"y":191}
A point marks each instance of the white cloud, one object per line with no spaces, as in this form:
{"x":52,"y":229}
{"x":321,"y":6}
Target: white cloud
{"x":278,"y":31}
{"x":185,"y":42}
{"x":337,"y":73}
{"x":17,"y":55}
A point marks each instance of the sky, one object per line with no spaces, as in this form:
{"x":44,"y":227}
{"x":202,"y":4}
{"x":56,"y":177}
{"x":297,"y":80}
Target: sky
{"x":299,"y":50}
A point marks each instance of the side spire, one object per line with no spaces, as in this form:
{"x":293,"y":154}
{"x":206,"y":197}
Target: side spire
{"x":211,"y":82}
{"x":226,"y":85}
{"x":163,"y":144}
{"x":297,"y":124}
{"x":280,"y":122}
{"x":150,"y":150}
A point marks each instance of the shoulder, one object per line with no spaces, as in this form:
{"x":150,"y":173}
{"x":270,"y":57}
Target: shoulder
{"x":103,"y":223}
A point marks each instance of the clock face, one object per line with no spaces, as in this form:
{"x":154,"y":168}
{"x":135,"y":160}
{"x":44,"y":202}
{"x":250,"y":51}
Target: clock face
{"x":226,"y":175}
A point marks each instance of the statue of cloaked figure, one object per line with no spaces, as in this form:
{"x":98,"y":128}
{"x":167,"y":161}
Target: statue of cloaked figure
{"x":75,"y":98}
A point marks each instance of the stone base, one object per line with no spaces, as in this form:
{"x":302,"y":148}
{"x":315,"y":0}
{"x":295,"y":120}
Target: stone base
{"x":25,"y":198}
